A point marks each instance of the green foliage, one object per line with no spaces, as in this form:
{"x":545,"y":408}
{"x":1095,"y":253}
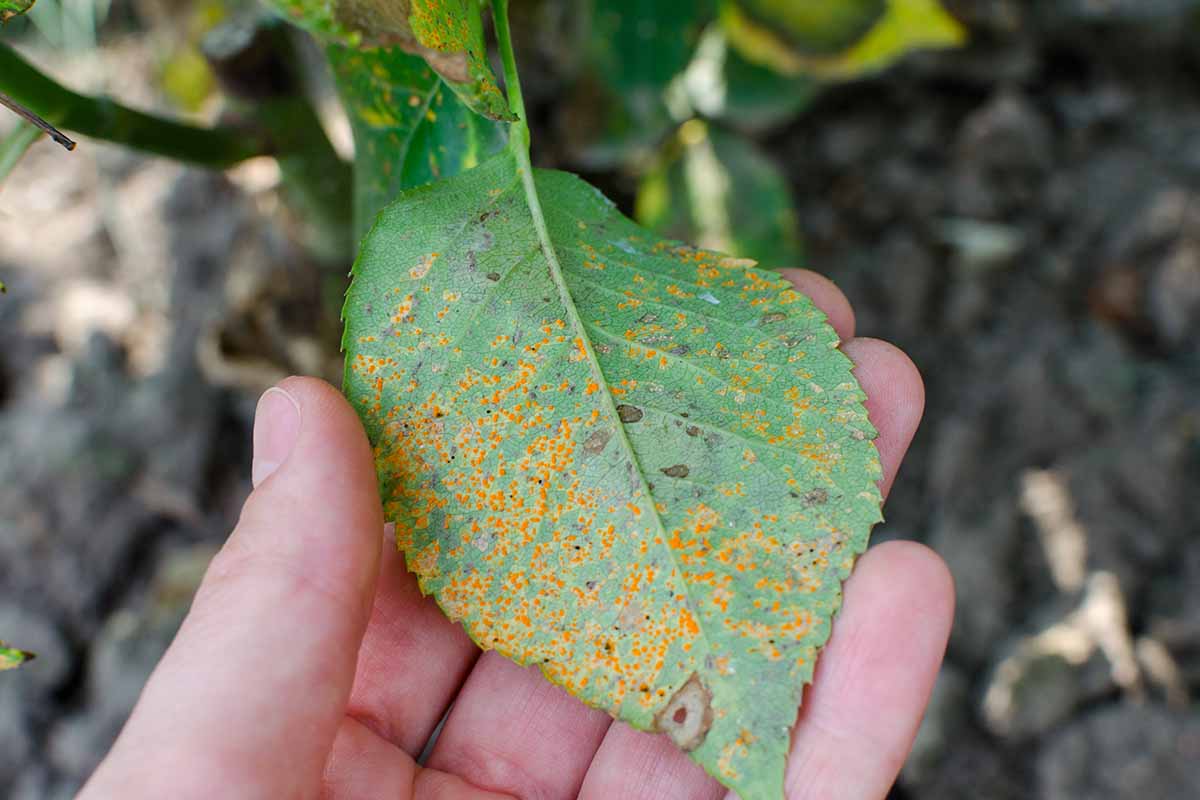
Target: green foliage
{"x":11,"y":658}
{"x":633,"y":51}
{"x":699,"y":192}
{"x":899,"y":28}
{"x":11,"y":8}
{"x":814,"y":27}
{"x":448,"y":34}
{"x":408,"y":130}
{"x":722,"y":85}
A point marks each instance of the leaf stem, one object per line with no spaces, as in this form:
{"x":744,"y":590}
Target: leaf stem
{"x":101,"y":118}
{"x":519,"y":139}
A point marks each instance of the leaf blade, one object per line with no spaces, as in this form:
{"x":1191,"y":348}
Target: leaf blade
{"x":408,"y":129}
{"x":447,"y":34}
{"x":580,"y":490}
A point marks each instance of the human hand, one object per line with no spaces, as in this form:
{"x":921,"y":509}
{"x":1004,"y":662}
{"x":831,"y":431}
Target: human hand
{"x":310,"y":665}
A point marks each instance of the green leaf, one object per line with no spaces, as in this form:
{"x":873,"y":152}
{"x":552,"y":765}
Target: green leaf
{"x":11,"y":658}
{"x":718,"y":189}
{"x":639,"y":47}
{"x":822,"y":27}
{"x":448,"y":34}
{"x":904,"y":26}
{"x":408,"y":130}
{"x":12,"y":8}
{"x":722,"y":85}
{"x":617,"y":110}
{"x":643,"y":467}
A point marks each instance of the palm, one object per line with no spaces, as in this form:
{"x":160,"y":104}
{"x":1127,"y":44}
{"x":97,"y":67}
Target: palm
{"x":290,"y":711}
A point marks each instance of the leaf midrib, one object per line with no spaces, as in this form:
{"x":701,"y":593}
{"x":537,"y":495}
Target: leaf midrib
{"x":533,"y":202}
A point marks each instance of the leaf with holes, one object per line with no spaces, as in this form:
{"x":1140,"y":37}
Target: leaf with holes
{"x":408,"y":129}
{"x":448,"y":34}
{"x":11,"y":658}
{"x":644,"y":467}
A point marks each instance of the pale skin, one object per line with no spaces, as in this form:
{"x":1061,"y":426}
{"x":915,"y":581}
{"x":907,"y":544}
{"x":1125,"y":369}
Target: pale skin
{"x":311,"y":667}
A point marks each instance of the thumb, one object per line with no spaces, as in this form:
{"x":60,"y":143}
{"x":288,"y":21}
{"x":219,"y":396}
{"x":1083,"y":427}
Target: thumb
{"x":247,"y":700}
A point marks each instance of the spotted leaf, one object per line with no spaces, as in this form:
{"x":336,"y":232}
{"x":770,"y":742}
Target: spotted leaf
{"x":448,"y":34}
{"x":643,"y":467}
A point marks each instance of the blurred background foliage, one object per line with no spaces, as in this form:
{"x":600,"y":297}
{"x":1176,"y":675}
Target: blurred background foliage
{"x":670,"y":92}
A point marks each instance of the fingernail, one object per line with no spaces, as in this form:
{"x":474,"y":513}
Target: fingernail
{"x":276,"y":428}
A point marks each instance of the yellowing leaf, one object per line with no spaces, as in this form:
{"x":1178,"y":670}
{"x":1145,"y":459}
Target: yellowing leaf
{"x":12,"y":8}
{"x":448,"y":34}
{"x":644,"y":467}
{"x":823,"y":27}
{"x":11,"y":658}
{"x":905,"y":25}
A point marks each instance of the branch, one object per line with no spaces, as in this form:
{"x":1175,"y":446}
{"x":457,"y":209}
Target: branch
{"x":103,"y":118}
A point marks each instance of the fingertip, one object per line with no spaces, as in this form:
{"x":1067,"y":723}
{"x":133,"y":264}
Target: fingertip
{"x":826,"y":295}
{"x":907,"y":569}
{"x":874,"y":678}
{"x":895,"y":399}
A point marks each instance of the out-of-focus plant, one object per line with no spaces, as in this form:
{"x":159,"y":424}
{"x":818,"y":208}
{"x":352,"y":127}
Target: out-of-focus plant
{"x":741,"y":68}
{"x":11,"y":658}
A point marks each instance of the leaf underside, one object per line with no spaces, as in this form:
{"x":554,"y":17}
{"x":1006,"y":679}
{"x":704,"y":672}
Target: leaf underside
{"x":643,"y":467}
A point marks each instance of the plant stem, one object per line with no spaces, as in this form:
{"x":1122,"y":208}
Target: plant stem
{"x":519,"y":137}
{"x":102,"y":118}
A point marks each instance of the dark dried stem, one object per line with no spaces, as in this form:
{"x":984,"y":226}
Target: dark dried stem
{"x":33,"y":119}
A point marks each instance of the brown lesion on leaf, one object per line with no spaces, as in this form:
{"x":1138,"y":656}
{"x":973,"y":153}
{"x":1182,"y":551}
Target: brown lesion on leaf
{"x":629,"y":413}
{"x":595,"y":443}
{"x":632,"y":616}
{"x":816,"y":497}
{"x":688,"y":715}
{"x":676,"y":471}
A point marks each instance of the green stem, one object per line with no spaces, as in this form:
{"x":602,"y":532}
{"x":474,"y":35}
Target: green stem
{"x":519,"y":137}
{"x":102,"y":118}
